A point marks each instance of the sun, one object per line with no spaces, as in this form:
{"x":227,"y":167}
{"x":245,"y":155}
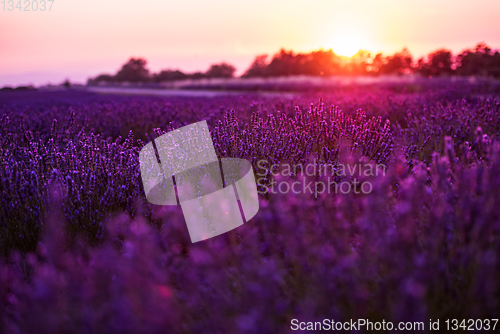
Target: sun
{"x":348,"y":42}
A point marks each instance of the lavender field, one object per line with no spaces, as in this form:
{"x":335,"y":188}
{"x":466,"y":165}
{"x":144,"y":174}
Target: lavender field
{"x":82,"y":251}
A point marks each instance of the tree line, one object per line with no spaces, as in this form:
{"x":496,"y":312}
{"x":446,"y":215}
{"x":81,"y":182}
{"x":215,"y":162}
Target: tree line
{"x":480,"y":60}
{"x":135,"y":71}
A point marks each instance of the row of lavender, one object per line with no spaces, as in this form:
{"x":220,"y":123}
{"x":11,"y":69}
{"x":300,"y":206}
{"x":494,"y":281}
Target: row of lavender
{"x":100,"y":176}
{"x":423,"y":244}
{"x":429,"y":252}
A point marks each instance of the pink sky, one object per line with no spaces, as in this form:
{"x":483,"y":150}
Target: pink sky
{"x":78,"y":39}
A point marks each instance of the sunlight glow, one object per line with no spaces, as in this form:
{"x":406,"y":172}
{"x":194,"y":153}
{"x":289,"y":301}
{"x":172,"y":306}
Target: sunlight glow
{"x":348,"y":42}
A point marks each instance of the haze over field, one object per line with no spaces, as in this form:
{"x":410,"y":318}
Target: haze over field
{"x":78,"y":39}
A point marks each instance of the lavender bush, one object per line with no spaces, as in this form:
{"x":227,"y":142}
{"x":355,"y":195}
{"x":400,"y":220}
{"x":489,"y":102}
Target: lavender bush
{"x":84,"y":252}
{"x":284,"y":139}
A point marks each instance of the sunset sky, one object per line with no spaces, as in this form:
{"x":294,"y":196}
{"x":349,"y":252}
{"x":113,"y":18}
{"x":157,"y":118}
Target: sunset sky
{"x":78,"y":39}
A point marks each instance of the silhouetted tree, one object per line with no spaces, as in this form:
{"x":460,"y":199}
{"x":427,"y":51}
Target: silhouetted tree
{"x":282,"y":64}
{"x":439,"y":63}
{"x":258,"y":68}
{"x":197,"y":75}
{"x":169,"y":75}
{"x":101,"y":78}
{"x":358,"y":64}
{"x":494,"y":69}
{"x":479,"y":61}
{"x":399,"y":63}
{"x":320,"y":62}
{"x":133,"y":71}
{"x":222,"y":70}
{"x":378,"y":63}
